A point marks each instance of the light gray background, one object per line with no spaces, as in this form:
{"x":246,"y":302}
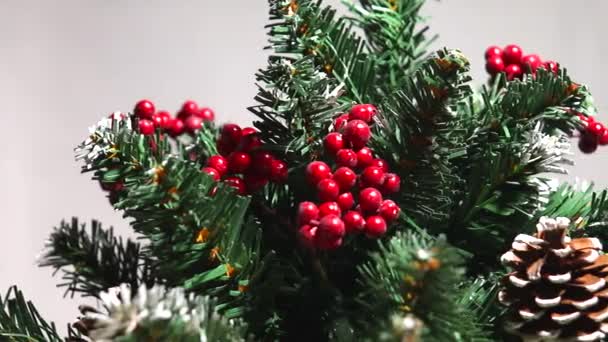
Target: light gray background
{"x":66,"y":63}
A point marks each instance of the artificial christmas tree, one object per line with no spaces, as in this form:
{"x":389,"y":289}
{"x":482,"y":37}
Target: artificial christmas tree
{"x":371,"y":202}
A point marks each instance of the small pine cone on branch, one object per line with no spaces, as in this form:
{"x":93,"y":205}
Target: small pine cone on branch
{"x":557,"y":290}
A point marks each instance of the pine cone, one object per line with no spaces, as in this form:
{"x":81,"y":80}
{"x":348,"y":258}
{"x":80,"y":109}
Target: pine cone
{"x":557,"y":290}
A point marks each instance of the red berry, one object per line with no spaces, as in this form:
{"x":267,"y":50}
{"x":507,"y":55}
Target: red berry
{"x":531,"y":62}
{"x":250,"y":142}
{"x":112,"y":186}
{"x":493,"y":51}
{"x":189,"y":108}
{"x":317,"y":171}
{"x":225,"y":147}
{"x":236,"y":183}
{"x":307,"y":234}
{"x":346,"y":157}
{"x":193,"y":124}
{"x":231,"y":133}
{"x":211,"y":172}
{"x":307,"y":211}
{"x":207,"y":114}
{"x":331,"y":228}
{"x":353,"y":222}
{"x":389,"y":210}
{"x":494,"y":65}
{"x":144,"y":109}
{"x":262,"y":163}
{"x":177,"y":127}
{"x":328,"y":245}
{"x":512,"y":54}
{"x":255,"y":182}
{"x":364,"y":112}
{"x":146,"y":127}
{"x":328,"y":190}
{"x":370,"y":199}
{"x":248,"y":131}
{"x":278,"y":171}
{"x":345,"y":177}
{"x":357,"y":133}
{"x":162,"y":119}
{"x":333,"y":142}
{"x":375,"y":226}
{"x":373,"y":176}
{"x":392,"y":183}
{"x":219,"y":163}
{"x":596,"y":128}
{"x":604,"y":137}
{"x":587,"y":120}
{"x":588,"y":143}
{"x":329,"y":208}
{"x":551,"y":66}
{"x":346,"y":201}
{"x":381,"y":163}
{"x":513,"y":71}
{"x":364,"y":157}
{"x":239,"y":162}
{"x":341,"y":121}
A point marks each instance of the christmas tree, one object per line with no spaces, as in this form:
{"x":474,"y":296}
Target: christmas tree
{"x":378,"y":197}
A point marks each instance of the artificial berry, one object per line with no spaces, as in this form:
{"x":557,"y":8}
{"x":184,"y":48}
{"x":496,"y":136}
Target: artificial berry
{"x":346,"y":157}
{"x":364,"y":157}
{"x":146,"y":127}
{"x":353,"y":221}
{"x":193,"y":124}
{"x":588,"y":143}
{"x":587,"y":120}
{"x":328,"y":190}
{"x":345,"y":177}
{"x":372,"y":176}
{"x":144,"y":109}
{"x":250,"y":142}
{"x":493,"y":51}
{"x":381,"y":163}
{"x":219,"y":163}
{"x":345,"y":201}
{"x":331,"y":228}
{"x":512,"y":54}
{"x":532,"y":62}
{"x":239,"y":162}
{"x":392,"y":183}
{"x":375,"y":226}
{"x":551,"y":66}
{"x":603,"y":139}
{"x":207,"y":114}
{"x":328,"y":245}
{"x":211,"y":172}
{"x":513,"y":71}
{"x":254,"y":182}
{"x":495,"y":65}
{"x":596,"y":128}
{"x":262,"y":162}
{"x":370,"y":199}
{"x":307,"y":211}
{"x":236,"y":183}
{"x":278,"y":171}
{"x":177,"y":127}
{"x":231,"y":133}
{"x":329,"y":208}
{"x":307,"y":235}
{"x":357,"y":133}
{"x":341,"y":121}
{"x":333,"y":142}
{"x":162,"y":119}
{"x":389,"y":210}
{"x":364,"y":112}
{"x":225,"y":147}
{"x":112,"y":186}
{"x":317,"y":171}
{"x":189,"y":108}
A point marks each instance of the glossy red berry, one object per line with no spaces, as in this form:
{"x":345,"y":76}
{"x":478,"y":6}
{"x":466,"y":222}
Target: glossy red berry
{"x":389,"y":210}
{"x":493,"y":51}
{"x":307,"y":234}
{"x":346,"y":157}
{"x":193,"y":124}
{"x":375,"y":226}
{"x":207,"y":114}
{"x":512,"y":54}
{"x":239,"y":162}
{"x":340,"y":122}
{"x":346,"y":201}
{"x":329,"y":208}
{"x":345,"y":177}
{"x":177,"y":127}
{"x":381,"y":163}
{"x":551,"y":66}
{"x":278,"y":171}
{"x":231,"y":133}
{"x":262,"y":162}
{"x":144,"y":109}
{"x":225,"y":147}
{"x":364,"y":112}
{"x":317,"y":171}
{"x":392,"y":183}
{"x":333,"y":142}
{"x":357,"y":133}
{"x":373,"y":176}
{"x":596,"y":128}
{"x":328,"y":190}
{"x":219,"y":163}
{"x":588,"y":143}
{"x":513,"y":71}
{"x":328,"y":245}
{"x":331,"y":227}
{"x":162,"y":119}
{"x":211,"y":172}
{"x":146,"y":127}
{"x":603,"y":139}
{"x":494,"y":65}
{"x":307,"y":211}
{"x":254,"y":182}
{"x":364,"y":157}
{"x":370,"y":199}
{"x":531,"y":62}
{"x":586,"y":119}
{"x":353,"y":222}
{"x":189,"y":108}
{"x":251,"y":142}
{"x":236,"y":183}
{"x":248,"y":131}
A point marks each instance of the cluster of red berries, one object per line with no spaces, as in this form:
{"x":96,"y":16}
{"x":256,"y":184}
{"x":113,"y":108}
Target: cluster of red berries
{"x":189,"y":119}
{"x":594,"y":134}
{"x":512,"y":61}
{"x":240,"y":154}
{"x":324,"y":225}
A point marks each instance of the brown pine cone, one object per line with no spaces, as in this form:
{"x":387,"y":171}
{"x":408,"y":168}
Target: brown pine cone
{"x":557,"y":290}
